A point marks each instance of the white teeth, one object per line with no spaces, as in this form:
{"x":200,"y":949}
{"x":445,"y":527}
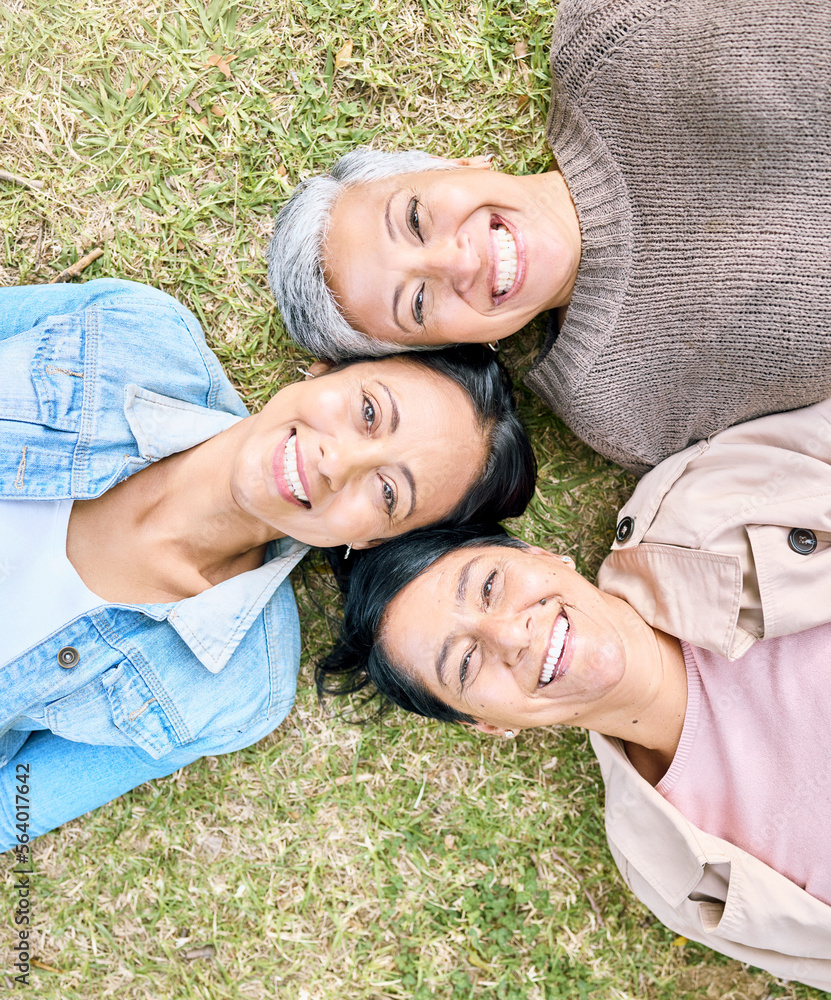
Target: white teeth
{"x":507,"y":260}
{"x":555,"y":650}
{"x":290,"y":469}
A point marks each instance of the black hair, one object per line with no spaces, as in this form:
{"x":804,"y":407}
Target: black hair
{"x":359,"y":659}
{"x":505,"y":485}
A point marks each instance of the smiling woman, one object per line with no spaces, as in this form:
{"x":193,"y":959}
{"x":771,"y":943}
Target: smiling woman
{"x":148,"y":524}
{"x":716,"y":775}
{"x":681,"y":244}
{"x":465,"y":255}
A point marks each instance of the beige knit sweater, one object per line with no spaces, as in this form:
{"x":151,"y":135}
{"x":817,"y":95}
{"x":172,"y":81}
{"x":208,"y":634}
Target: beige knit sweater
{"x":695,"y":138}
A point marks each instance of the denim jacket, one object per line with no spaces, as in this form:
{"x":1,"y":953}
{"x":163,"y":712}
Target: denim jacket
{"x":100,"y":380}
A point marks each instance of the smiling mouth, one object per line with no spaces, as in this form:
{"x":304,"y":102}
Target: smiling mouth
{"x":290,"y":472}
{"x":552,"y":667}
{"x":506,"y":270}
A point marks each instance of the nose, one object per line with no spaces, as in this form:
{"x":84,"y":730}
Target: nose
{"x":452,"y":259}
{"x":508,"y":634}
{"x":343,"y":458}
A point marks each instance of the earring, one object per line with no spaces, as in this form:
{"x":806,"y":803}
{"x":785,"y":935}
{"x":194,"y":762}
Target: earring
{"x":305,"y":371}
{"x":494,"y":346}
{"x":567,"y":559}
{"x":348,"y":552}
{"x":509,"y":734}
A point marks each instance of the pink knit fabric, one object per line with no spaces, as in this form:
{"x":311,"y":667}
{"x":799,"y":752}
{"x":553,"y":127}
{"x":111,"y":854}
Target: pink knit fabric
{"x":753,"y":765}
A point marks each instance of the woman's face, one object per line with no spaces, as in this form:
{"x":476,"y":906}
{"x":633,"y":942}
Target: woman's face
{"x":359,"y":455}
{"x":513,"y":637}
{"x":452,"y":256}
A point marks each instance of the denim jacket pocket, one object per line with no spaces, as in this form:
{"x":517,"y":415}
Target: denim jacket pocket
{"x":52,"y":353}
{"x":119,"y":708}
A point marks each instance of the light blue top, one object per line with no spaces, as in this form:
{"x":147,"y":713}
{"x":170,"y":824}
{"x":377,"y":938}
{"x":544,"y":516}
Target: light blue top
{"x":100,"y":380}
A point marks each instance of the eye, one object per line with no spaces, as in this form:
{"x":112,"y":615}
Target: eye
{"x":487,"y":589}
{"x":368,"y":412}
{"x":389,"y":496}
{"x":418,"y":306}
{"x":412,"y":218}
{"x":464,"y":665}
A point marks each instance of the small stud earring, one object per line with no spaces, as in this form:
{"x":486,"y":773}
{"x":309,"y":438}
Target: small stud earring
{"x":494,"y":346}
{"x":567,"y":559}
{"x":509,"y":734}
{"x":348,"y":552}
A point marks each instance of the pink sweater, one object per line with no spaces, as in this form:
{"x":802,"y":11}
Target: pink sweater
{"x":753,"y":765}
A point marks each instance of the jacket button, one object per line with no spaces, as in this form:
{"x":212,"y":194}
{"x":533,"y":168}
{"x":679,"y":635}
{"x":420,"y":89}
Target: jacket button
{"x":802,"y":540}
{"x":624,"y":528}
{"x":68,"y":657}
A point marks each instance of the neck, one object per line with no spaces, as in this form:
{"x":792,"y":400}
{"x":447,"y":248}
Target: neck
{"x":188,"y":506}
{"x":651,"y":700}
{"x":652,"y":737}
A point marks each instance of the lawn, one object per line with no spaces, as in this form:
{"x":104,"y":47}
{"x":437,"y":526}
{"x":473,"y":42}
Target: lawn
{"x":398,"y":860}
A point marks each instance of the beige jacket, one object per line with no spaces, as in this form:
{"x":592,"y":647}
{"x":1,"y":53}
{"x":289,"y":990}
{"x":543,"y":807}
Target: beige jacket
{"x":705,"y":888}
{"x":711,"y":554}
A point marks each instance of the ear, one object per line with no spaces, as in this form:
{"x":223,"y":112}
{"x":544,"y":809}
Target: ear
{"x":482,"y":162}
{"x":487,"y":728}
{"x":319,"y":368}
{"x":371,"y":544}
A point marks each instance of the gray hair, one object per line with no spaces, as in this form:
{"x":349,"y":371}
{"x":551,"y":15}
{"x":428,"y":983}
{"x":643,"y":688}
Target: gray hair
{"x":295,"y":254}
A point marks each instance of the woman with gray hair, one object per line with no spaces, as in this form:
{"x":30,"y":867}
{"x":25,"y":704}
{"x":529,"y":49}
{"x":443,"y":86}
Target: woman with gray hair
{"x":682,"y":246}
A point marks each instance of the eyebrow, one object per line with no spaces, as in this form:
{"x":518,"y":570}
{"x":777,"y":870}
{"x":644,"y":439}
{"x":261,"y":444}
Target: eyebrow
{"x":464,"y":579}
{"x":396,"y":298}
{"x":396,"y":413}
{"x":461,"y":594}
{"x":388,"y":217}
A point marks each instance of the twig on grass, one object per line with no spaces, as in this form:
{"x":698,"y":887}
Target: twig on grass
{"x":75,"y":269}
{"x":22,"y":181}
{"x":588,"y":895}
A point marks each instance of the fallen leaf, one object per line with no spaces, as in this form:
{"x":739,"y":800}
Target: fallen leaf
{"x":193,"y":105}
{"x":522,"y":102}
{"x":207,"y":951}
{"x":679,"y":942}
{"x":344,"y":54}
{"x":344,"y":779}
{"x":281,"y":171}
{"x":520,"y":52}
{"x":217,"y":110}
{"x":220,"y":64}
{"x":43,"y":965}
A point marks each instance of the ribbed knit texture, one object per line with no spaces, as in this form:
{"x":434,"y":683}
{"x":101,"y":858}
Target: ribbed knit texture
{"x":695,"y":138}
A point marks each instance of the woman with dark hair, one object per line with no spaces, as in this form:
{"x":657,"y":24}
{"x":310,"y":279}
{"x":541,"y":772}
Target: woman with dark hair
{"x":681,"y":245}
{"x":717,"y":785}
{"x":148,"y":524}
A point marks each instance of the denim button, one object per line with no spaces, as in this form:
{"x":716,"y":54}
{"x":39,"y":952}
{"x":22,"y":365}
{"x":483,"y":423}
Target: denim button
{"x":624,"y":528}
{"x":802,"y":540}
{"x":68,"y":657}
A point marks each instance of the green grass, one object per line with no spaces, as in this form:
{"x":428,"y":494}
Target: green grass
{"x":330,"y":862}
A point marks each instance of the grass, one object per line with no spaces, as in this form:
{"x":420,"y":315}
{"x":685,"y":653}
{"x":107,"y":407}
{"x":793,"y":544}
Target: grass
{"x":330,"y":862}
